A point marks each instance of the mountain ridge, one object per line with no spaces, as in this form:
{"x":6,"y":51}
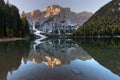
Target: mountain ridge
{"x":105,"y":22}
{"x":57,"y":20}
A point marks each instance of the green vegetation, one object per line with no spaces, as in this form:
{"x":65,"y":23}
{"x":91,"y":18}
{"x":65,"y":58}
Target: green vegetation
{"x":105,"y":51}
{"x":11,"y":54}
{"x":25,"y":25}
{"x":11,"y":25}
{"x":105,"y":22}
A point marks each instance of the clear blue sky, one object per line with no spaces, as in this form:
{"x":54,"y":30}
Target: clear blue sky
{"x":75,"y":5}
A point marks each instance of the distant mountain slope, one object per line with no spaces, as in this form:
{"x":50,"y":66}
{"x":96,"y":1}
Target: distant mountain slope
{"x":105,"y":22}
{"x":57,"y":20}
{"x":34,"y":14}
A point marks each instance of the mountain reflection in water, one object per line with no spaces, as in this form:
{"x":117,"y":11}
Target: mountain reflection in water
{"x":59,"y":50}
{"x":52,"y":62}
{"x":60,"y":59}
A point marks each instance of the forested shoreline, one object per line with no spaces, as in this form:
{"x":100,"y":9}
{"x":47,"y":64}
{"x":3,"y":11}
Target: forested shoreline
{"x":11,"y":25}
{"x":104,"y":23}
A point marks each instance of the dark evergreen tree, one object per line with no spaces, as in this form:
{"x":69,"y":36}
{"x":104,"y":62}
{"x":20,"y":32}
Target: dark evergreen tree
{"x":105,"y":22}
{"x":11,"y":25}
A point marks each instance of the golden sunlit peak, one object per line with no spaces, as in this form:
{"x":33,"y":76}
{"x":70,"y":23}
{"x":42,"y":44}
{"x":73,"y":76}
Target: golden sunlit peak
{"x":52,"y":7}
{"x":52,"y":10}
{"x":33,"y":60}
{"x":52,"y":62}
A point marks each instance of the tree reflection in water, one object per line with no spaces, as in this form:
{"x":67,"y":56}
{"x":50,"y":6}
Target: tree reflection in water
{"x":61,"y":50}
{"x":60,"y":59}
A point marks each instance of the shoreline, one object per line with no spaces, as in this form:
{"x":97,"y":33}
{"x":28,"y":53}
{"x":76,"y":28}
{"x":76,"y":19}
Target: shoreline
{"x":10,"y":39}
{"x":99,"y":37}
{"x":58,"y":36}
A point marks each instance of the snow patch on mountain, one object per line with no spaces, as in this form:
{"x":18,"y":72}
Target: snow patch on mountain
{"x":57,"y":20}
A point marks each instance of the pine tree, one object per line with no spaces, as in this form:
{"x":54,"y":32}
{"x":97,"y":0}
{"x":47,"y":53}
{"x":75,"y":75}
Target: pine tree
{"x":105,"y":22}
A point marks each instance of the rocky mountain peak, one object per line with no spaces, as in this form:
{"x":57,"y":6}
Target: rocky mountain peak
{"x":33,"y":15}
{"x":52,"y":10}
{"x":57,"y":20}
{"x":35,"y":12}
{"x":55,"y":10}
{"x":52,"y":7}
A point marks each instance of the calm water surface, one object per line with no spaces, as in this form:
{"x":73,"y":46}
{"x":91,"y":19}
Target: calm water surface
{"x":60,"y":59}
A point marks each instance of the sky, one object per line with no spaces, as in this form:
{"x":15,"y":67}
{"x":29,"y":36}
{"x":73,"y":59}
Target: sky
{"x":75,"y":5}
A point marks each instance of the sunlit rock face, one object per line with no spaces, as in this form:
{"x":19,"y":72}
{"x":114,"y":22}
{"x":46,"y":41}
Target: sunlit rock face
{"x":56,"y":52}
{"x":52,"y":11}
{"x":57,"y":20}
{"x":33,"y":15}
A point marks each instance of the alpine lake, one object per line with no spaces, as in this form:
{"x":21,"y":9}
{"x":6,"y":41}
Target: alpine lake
{"x":60,"y":59}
